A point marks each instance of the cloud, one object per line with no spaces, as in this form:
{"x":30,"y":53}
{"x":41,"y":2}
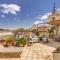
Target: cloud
{"x":2,"y":16}
{"x":10,"y":8}
{"x":40,"y":24}
{"x":37,"y":22}
{"x":38,"y":17}
{"x":58,"y":9}
{"x":44,"y":16}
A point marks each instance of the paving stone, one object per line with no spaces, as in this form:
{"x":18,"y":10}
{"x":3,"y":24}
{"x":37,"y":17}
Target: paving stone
{"x":37,"y":52}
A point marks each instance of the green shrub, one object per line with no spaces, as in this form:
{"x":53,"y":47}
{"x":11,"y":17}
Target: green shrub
{"x":21,"y":41}
{"x":9,"y":39}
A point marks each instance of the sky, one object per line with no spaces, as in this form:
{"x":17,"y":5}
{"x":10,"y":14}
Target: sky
{"x":16,"y":14}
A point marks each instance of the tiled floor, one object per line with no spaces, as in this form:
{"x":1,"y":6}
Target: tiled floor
{"x":37,"y":52}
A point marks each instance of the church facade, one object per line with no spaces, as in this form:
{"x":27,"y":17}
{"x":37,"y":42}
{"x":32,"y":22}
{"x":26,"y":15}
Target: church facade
{"x":54,"y":20}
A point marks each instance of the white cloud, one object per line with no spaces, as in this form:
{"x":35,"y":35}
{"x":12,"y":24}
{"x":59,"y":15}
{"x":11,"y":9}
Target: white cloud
{"x":40,"y":23}
{"x":2,"y":16}
{"x":37,"y":22}
{"x":58,"y":9}
{"x":10,"y":8}
{"x":44,"y":17}
{"x":38,"y":17}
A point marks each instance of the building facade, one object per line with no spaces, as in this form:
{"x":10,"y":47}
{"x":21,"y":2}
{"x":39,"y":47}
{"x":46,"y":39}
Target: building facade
{"x":54,"y":20}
